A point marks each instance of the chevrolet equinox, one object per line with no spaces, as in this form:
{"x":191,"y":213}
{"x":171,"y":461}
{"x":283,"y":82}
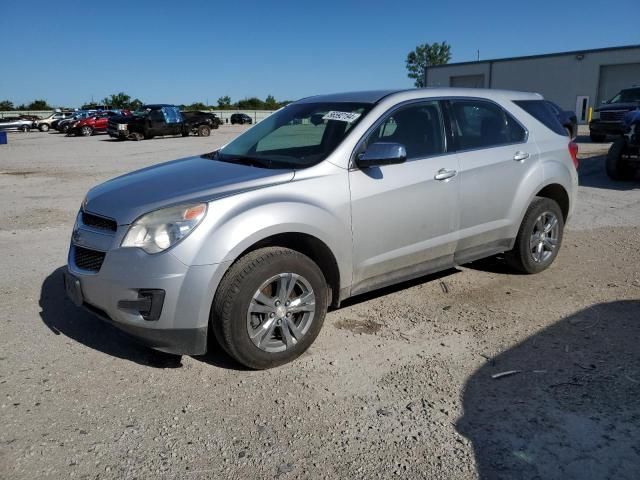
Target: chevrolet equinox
{"x":329,"y":197}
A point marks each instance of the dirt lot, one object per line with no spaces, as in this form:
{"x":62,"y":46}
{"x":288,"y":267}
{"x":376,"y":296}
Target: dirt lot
{"x":398,"y":384}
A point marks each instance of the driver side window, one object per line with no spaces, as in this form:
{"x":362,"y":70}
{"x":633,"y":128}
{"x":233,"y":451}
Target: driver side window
{"x":419,"y":127}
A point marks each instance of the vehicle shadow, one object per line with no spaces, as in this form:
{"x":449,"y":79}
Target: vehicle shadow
{"x":592,"y":173}
{"x":62,"y":317}
{"x":571,"y":408}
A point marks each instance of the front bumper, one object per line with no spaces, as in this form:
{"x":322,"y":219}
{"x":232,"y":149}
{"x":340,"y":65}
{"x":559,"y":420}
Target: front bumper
{"x":113,"y":291}
{"x":121,"y":134}
{"x":606,"y":128}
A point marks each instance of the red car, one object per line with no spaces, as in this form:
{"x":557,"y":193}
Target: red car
{"x":90,"y":125}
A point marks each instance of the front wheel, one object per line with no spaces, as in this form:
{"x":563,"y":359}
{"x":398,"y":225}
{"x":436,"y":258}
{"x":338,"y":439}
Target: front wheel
{"x":617,"y":166}
{"x":269,"y":307}
{"x":44,"y":127}
{"x":86,"y":131}
{"x":204,"y":131}
{"x":539,"y":237}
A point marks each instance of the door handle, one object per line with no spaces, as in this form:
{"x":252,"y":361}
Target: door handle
{"x":520,"y":156}
{"x":444,"y":174}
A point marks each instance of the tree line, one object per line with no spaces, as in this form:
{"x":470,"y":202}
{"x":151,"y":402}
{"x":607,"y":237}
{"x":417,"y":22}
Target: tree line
{"x":123,"y":101}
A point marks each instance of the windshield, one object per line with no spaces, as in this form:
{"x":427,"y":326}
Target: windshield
{"x":296,"y":136}
{"x":627,"y":96}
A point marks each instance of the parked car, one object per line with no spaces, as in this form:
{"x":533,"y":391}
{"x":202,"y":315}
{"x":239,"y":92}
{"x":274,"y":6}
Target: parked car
{"x":15,"y":123}
{"x":567,"y":119}
{"x":241,"y":118}
{"x":63,"y":125}
{"x":608,"y":119}
{"x":623,"y":158}
{"x":255,"y":240}
{"x":91,"y":124}
{"x":158,"y":120}
{"x":44,"y":124}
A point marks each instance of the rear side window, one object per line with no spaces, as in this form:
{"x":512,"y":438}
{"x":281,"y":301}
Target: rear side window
{"x":480,"y":124}
{"x":541,"y":111}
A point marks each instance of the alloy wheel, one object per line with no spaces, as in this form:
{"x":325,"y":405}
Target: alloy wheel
{"x":281,"y":312}
{"x":544,"y":237}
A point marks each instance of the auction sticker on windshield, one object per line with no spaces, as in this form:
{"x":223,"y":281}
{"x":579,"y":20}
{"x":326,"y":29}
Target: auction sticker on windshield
{"x":341,"y":116}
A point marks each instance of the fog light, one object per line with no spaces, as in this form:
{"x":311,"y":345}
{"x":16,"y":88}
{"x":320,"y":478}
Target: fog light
{"x":149,"y":303}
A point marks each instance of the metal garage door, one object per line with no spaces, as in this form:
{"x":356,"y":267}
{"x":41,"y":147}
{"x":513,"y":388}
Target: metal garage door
{"x":614,"y":78}
{"x":467,"y":81}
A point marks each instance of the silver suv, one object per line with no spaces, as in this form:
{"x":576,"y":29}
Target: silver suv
{"x":327,"y":198}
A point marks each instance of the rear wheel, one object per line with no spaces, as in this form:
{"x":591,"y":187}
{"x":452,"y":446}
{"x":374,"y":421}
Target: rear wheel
{"x":204,"y":131}
{"x":617,"y":165}
{"x":539,"y":237}
{"x":44,"y":127}
{"x":597,"y":137}
{"x":269,"y":307}
{"x":25,"y":128}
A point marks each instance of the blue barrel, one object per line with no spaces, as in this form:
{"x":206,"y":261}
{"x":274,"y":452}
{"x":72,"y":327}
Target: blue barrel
{"x":3,"y":138}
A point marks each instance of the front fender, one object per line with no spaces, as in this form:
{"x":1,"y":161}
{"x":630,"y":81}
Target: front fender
{"x":236,"y":223}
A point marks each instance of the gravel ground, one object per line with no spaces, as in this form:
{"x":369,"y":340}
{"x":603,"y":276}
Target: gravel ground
{"x":399,"y":382}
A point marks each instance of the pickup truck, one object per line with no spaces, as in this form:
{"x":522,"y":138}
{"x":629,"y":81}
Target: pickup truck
{"x":159,"y":120}
{"x":623,"y":158}
{"x":608,"y":119}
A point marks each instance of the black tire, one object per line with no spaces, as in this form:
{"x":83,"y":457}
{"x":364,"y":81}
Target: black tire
{"x":204,"y":131}
{"x":617,"y":168}
{"x":136,"y":136}
{"x":521,"y":257}
{"x":236,"y":290}
{"x":64,"y":128}
{"x":25,"y":128}
{"x":597,"y":137}
{"x":44,"y":127}
{"x":86,"y":131}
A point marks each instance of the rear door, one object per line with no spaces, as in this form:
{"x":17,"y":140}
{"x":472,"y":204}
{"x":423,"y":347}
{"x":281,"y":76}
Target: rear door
{"x":495,"y":155}
{"x":404,"y":216}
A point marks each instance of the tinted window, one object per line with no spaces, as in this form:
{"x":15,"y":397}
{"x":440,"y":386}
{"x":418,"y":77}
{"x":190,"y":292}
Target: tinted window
{"x":417,"y":127}
{"x":540,"y":110}
{"x":484,"y":124}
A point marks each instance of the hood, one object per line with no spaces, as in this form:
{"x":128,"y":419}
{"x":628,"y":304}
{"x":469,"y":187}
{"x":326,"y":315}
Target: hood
{"x":193,"y":179}
{"x":125,"y":119}
{"x":617,"y":106}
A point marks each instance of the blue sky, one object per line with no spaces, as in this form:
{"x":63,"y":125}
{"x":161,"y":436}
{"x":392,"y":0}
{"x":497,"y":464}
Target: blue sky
{"x":180,"y":52}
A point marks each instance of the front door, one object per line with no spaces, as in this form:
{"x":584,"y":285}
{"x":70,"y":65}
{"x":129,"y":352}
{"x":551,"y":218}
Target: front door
{"x":404,"y":216}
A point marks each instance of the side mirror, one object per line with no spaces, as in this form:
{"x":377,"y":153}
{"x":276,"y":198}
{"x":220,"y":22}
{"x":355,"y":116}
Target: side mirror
{"x":382,"y":153}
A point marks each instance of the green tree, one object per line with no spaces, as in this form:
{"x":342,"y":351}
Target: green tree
{"x":224,"y":102}
{"x":196,"y":106}
{"x":38,"y":105}
{"x":253,"y":103}
{"x":117,"y":100}
{"x":6,"y":106}
{"x":270,"y":103}
{"x":424,"y":56}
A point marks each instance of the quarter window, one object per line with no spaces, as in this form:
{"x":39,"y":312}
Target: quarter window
{"x":484,"y":124}
{"x":418,"y":127}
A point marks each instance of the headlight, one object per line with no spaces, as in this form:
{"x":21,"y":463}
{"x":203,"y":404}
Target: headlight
{"x":122,"y":126}
{"x":595,"y":115}
{"x":159,"y":230}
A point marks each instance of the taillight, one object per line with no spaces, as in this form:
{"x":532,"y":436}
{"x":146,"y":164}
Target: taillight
{"x":573,"y":150}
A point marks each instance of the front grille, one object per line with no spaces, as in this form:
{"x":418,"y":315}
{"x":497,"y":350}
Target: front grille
{"x":88,"y":259}
{"x":612,"y":115}
{"x":101,"y":223}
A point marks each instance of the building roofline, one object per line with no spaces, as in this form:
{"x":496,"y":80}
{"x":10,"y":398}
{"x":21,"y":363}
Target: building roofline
{"x":532,"y":57}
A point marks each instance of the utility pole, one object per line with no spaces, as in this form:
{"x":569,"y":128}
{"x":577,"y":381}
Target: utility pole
{"x":478,"y":57}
